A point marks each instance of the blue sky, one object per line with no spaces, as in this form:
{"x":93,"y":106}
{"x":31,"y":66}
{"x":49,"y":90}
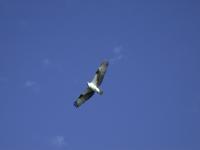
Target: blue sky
{"x":50,"y":49}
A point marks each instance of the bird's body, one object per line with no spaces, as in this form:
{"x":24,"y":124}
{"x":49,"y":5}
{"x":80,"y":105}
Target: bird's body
{"x":93,"y":86}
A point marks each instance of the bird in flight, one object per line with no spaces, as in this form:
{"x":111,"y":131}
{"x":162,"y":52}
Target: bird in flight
{"x":93,"y":86}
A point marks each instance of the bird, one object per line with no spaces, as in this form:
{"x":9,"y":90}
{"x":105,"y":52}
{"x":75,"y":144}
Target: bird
{"x":93,"y":85}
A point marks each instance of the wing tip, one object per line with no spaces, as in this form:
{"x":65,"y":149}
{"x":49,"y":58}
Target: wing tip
{"x":105,"y":62}
{"x":76,"y":104}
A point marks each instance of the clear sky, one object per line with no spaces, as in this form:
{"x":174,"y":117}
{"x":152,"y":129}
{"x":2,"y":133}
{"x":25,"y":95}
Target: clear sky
{"x":49,"y":49}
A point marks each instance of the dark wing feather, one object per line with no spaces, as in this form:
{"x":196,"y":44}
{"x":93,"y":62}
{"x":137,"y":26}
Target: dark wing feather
{"x":98,"y":78}
{"x":83,"y":97}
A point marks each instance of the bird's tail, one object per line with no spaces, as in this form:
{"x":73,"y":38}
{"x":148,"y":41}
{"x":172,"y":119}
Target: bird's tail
{"x":101,"y":92}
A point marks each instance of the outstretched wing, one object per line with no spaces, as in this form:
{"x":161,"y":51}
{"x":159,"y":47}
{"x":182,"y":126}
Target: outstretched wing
{"x":83,"y":97}
{"x":98,"y":78}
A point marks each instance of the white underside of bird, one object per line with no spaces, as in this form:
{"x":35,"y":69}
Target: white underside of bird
{"x":94,"y":87}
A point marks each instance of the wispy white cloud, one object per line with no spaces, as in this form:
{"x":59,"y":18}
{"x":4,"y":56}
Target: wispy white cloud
{"x":59,"y":141}
{"x":32,"y":85}
{"x":117,"y":54}
{"x":46,"y":62}
{"x":117,"y":50}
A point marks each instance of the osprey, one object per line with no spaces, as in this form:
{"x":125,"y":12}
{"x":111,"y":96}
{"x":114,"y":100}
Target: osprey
{"x":93,"y":86}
